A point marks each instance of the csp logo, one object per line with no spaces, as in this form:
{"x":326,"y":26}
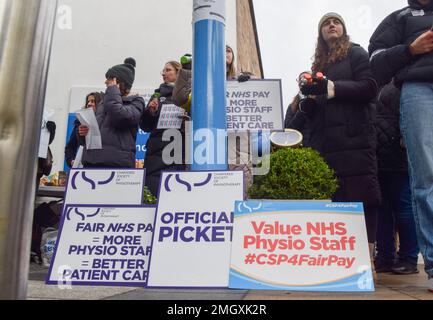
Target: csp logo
{"x":179,"y":181}
{"x":81,"y":177}
{"x":76,"y":212}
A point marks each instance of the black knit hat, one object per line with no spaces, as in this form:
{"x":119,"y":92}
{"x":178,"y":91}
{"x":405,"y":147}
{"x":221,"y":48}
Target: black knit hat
{"x":124,"y":73}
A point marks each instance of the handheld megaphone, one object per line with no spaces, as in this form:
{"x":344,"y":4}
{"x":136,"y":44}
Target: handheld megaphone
{"x":288,"y":139}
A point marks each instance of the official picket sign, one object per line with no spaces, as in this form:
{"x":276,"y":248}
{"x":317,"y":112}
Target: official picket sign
{"x":107,"y":246}
{"x":255,"y":105}
{"x":105,"y":187}
{"x":300,"y":246}
{"x":194,"y":229}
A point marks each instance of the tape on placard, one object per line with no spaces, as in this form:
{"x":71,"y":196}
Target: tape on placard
{"x":209,"y":10}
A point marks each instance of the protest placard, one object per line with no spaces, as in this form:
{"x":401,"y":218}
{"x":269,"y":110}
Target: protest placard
{"x":256,"y":105}
{"x":107,"y":246}
{"x":171,"y":117}
{"x":105,"y":187}
{"x":300,"y":246}
{"x":194,"y":229}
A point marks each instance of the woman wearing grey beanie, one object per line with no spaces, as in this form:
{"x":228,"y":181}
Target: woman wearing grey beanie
{"x":338,"y":113}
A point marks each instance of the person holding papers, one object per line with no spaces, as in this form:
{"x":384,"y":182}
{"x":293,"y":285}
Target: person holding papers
{"x":117,"y":117}
{"x":154,"y":162}
{"x":92,"y":101}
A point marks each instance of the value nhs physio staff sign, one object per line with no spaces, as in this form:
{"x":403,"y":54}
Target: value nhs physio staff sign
{"x":300,"y":246}
{"x":194,"y":229}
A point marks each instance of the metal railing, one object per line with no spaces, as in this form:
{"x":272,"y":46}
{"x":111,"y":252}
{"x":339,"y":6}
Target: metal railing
{"x":25,"y":43}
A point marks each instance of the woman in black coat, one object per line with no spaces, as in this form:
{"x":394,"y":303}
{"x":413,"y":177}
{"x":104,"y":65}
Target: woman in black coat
{"x":339,"y":113}
{"x":153,"y":161}
{"x":71,"y":149}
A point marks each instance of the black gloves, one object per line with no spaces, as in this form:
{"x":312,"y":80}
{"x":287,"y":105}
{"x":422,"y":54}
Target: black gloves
{"x":244,"y":77}
{"x":318,"y":87}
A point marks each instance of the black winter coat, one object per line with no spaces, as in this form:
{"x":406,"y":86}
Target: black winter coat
{"x":389,"y":45}
{"x":118,"y":118}
{"x":298,"y":121}
{"x":391,"y":155}
{"x":342,"y":128}
{"x":153,"y":162}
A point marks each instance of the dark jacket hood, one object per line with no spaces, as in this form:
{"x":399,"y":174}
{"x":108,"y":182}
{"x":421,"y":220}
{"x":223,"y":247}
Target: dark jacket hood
{"x":416,"y":5}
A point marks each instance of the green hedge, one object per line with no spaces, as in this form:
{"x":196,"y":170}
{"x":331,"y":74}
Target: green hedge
{"x":295,"y":174}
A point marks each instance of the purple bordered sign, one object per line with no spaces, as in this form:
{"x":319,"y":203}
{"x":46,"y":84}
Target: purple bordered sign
{"x":105,"y":187}
{"x":103,"y":246}
{"x":194,"y":228}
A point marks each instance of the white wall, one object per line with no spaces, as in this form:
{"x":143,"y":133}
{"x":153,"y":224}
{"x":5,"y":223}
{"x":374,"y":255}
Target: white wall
{"x":93,"y":35}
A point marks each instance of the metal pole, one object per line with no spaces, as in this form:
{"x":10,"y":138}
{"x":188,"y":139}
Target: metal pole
{"x":25,"y":43}
{"x":209,"y":86}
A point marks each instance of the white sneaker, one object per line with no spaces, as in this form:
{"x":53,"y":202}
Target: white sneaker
{"x":430,"y":285}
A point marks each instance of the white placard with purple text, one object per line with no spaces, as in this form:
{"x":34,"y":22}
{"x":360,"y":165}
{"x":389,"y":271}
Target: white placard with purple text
{"x":105,"y":187}
{"x":107,"y":246}
{"x":194,"y":229}
{"x":255,"y":105}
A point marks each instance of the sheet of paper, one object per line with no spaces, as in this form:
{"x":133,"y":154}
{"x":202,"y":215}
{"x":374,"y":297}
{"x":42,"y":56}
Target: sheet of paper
{"x":43,"y":144}
{"x":45,"y":134}
{"x":93,"y":139}
{"x":170,"y":117}
{"x":77,"y":162}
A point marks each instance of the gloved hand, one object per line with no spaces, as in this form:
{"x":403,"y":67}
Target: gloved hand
{"x":318,"y":87}
{"x":51,"y":127}
{"x":244,"y":78}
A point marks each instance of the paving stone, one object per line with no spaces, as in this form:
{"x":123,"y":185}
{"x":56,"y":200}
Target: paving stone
{"x":388,"y":287}
{"x":381,"y":293}
{"x":40,"y":291}
{"x":181,"y":294}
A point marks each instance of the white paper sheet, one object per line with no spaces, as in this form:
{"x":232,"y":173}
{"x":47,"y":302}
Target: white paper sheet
{"x":170,"y":117}
{"x":77,"y":162}
{"x":43,"y":143}
{"x":93,"y":139}
{"x":45,"y":134}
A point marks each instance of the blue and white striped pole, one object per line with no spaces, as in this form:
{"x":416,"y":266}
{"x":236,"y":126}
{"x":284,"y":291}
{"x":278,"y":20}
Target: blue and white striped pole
{"x":209,"y":86}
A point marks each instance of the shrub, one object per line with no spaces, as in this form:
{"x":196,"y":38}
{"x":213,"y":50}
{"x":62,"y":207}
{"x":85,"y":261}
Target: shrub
{"x":149,"y":198}
{"x":295,"y":174}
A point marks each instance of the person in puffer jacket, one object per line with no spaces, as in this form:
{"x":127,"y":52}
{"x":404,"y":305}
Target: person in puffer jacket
{"x":154,"y":162}
{"x":402,"y":47}
{"x":395,"y":212}
{"x":340,"y":116}
{"x":92,"y":101}
{"x":118,"y":117}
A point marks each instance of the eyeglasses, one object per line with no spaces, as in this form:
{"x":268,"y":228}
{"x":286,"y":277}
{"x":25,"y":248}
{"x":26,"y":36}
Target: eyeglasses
{"x":166,"y":71}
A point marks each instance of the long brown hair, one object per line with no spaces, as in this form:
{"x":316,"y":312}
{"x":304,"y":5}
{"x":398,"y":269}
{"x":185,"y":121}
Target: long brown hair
{"x":98,"y":98}
{"x":231,"y":69}
{"x":326,"y":56}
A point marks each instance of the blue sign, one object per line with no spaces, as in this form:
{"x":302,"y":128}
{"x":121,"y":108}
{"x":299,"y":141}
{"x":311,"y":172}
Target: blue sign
{"x":142,"y":138}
